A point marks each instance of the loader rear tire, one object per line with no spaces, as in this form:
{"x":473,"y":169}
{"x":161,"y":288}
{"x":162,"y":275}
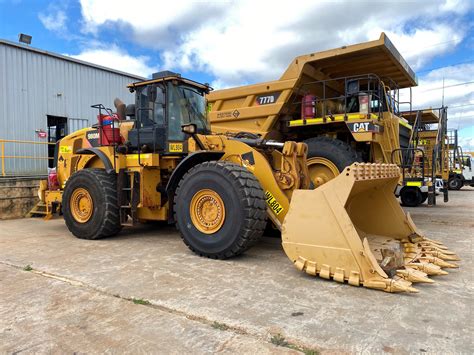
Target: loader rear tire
{"x":411,"y":196}
{"x":90,"y":204}
{"x":328,"y":157}
{"x":220,"y":209}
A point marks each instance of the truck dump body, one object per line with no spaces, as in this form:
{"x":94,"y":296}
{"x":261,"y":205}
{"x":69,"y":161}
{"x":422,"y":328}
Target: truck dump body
{"x":378,"y":57}
{"x":258,"y":108}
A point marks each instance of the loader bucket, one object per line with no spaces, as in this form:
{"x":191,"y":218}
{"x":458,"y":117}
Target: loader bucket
{"x":352,"y":229}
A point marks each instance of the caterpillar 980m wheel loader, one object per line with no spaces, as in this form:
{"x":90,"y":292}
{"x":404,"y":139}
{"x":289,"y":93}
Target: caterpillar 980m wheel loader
{"x":343,"y":103}
{"x":157,"y":161}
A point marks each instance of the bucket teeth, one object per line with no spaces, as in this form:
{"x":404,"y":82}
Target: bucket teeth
{"x":400,"y":285}
{"x":434,"y":242}
{"x":448,"y":257}
{"x":430,"y":250}
{"x":434,"y":248}
{"x":427,"y":268}
{"x":431,"y":245}
{"x":414,"y":275}
{"x":438,"y":261}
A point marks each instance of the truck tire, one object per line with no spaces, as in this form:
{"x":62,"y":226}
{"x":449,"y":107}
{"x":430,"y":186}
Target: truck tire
{"x":424,"y":197}
{"x":327,"y":158}
{"x":90,"y":204}
{"x":220,"y":209}
{"x":455,"y":183}
{"x":411,"y":196}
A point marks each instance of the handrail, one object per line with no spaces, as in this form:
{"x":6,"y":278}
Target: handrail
{"x":14,"y":141}
{"x":376,"y":87}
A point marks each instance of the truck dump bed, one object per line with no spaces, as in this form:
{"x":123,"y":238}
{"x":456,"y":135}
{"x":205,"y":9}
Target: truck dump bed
{"x":379,"y":57}
{"x":257,"y":108}
{"x":428,"y":116}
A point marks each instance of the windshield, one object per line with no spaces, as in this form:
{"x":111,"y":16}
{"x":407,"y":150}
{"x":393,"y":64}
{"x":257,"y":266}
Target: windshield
{"x":186,"y":105}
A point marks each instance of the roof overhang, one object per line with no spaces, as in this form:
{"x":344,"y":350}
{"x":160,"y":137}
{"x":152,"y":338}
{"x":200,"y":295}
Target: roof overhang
{"x":379,"y":57}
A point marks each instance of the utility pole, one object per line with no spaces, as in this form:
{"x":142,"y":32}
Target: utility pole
{"x":442,"y":99}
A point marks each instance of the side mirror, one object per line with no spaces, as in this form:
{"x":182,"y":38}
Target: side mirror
{"x":189,"y":128}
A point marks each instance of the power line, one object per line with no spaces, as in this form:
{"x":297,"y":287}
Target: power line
{"x":446,"y":66}
{"x":434,"y":45}
{"x":450,"y":86}
{"x":464,"y":105}
{"x":459,"y":117}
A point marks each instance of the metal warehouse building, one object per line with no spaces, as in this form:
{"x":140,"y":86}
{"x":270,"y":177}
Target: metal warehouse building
{"x":45,"y":96}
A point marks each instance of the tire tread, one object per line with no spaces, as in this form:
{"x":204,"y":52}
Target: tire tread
{"x":252,"y":199}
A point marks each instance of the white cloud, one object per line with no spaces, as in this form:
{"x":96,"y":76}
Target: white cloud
{"x":54,"y":20}
{"x":458,"y":97}
{"x":422,"y":45}
{"x":250,"y":41}
{"x":115,"y":58}
{"x":466,"y":139}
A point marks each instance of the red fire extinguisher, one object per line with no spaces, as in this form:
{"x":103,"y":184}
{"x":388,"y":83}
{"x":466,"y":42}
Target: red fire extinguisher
{"x":308,"y":108}
{"x":109,"y":131}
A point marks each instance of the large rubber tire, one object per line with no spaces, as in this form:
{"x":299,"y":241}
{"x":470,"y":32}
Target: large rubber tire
{"x":455,"y":183}
{"x":336,"y":151}
{"x":244,"y":207}
{"x":424,"y":197}
{"x":411,"y":196}
{"x":102,"y":188}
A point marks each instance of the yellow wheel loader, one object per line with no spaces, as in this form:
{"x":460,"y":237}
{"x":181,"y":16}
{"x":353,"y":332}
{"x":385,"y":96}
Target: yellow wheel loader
{"x":343,"y":103}
{"x":157,"y":160}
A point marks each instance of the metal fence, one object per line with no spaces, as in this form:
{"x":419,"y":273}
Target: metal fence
{"x":9,"y":160}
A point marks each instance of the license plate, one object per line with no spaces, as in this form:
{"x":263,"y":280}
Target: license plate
{"x":175,"y":147}
{"x":273,"y":203}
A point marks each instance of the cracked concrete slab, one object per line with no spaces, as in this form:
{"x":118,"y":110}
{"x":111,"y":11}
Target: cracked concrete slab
{"x":41,"y":314}
{"x":261,"y":293}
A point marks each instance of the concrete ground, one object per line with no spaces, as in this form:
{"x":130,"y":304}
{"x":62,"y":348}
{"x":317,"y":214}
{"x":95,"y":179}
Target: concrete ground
{"x":144,"y":291}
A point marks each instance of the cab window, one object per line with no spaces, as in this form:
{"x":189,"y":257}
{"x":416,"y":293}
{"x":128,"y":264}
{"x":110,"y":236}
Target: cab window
{"x":185,"y":105}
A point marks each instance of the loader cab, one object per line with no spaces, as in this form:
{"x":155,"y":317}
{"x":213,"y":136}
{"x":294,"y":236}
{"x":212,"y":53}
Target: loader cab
{"x":162,"y":106}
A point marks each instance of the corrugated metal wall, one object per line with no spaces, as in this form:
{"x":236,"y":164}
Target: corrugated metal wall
{"x":34,"y":85}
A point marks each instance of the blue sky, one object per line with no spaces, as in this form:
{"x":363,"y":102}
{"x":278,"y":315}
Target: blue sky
{"x":227,"y":42}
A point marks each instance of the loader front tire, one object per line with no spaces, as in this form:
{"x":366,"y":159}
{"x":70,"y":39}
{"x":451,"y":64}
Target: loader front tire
{"x":219,"y":209}
{"x":90,"y":204}
{"x":327,"y":158}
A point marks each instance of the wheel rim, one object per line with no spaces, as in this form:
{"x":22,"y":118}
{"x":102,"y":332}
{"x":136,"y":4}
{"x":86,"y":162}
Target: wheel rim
{"x":453,"y":184}
{"x":321,"y":170}
{"x":81,"y":205}
{"x":207,"y":211}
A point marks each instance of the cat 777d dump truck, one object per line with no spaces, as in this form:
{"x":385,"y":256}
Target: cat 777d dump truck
{"x":343,"y":103}
{"x":426,"y":162}
{"x":157,"y":160}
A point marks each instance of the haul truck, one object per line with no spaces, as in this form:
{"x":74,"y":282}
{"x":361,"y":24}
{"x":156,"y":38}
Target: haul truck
{"x":157,"y":160}
{"x":425,"y":163}
{"x":343,"y":103}
{"x":460,"y":164}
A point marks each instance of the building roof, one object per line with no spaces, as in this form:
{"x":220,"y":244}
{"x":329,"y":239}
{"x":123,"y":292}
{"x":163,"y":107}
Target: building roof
{"x":69,"y":59}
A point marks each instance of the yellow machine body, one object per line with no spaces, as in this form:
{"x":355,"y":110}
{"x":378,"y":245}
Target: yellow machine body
{"x":351,"y":229}
{"x":273,"y":110}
